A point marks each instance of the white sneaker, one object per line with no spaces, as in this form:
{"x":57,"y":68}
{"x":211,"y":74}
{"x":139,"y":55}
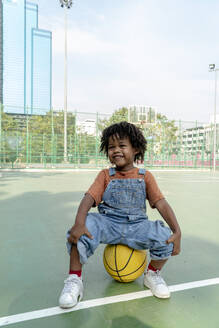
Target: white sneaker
{"x":72,"y":292}
{"x":157,"y":285}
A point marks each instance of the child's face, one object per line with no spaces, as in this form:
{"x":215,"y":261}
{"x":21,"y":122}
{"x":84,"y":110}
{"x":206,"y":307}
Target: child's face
{"x":121,"y":153}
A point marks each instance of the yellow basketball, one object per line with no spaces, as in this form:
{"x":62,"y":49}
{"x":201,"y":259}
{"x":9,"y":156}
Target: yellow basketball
{"x":124,"y":263}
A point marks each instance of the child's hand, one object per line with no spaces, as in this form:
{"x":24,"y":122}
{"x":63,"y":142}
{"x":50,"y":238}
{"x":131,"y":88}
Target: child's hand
{"x":175,"y":238}
{"x":76,"y":232}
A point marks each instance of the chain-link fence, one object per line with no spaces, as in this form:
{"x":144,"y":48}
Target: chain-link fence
{"x":37,"y":141}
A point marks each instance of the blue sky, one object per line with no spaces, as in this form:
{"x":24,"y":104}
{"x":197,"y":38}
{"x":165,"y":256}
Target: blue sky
{"x":136,"y":52}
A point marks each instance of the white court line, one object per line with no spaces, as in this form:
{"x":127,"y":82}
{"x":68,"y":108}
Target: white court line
{"x":4,"y":321}
{"x":96,"y":170}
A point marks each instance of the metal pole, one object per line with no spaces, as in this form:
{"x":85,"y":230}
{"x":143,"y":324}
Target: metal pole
{"x":75,"y":140}
{"x":1,"y":111}
{"x":65,"y":91}
{"x":52,"y":140}
{"x":27,"y":137}
{"x":211,"y":69}
{"x":96,"y":137}
{"x":215,"y":123}
{"x":67,"y":4}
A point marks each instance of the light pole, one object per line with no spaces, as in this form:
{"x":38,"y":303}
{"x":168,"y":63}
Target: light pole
{"x":66,"y":4}
{"x":212,"y":68}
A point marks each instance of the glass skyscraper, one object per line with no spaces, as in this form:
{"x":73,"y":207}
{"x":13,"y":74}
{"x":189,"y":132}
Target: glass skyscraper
{"x":27,"y":60}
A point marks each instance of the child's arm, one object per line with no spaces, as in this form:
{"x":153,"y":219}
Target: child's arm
{"x":79,"y":227}
{"x":167,"y":213}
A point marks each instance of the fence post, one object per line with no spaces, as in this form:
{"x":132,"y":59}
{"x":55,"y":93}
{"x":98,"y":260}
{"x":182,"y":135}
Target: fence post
{"x":202,"y":157}
{"x":70,"y":151}
{"x":1,"y":110}
{"x":52,"y":141}
{"x":180,"y":144}
{"x":96,"y":145}
{"x":196,"y":143}
{"x":75,"y":140}
{"x":44,"y":150}
{"x":17,"y":145}
{"x":30,"y":147}
{"x":27,"y":137}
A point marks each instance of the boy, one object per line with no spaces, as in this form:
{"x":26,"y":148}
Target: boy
{"x":120,"y":194}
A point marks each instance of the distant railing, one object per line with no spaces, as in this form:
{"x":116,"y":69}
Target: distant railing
{"x":37,"y":141}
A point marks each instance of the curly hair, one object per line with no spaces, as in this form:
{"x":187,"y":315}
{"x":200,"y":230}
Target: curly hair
{"x":125,"y":130}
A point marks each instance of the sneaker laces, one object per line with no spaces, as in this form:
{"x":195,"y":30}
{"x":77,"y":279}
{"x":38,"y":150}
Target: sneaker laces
{"x":71,"y":285}
{"x":156,"y":277}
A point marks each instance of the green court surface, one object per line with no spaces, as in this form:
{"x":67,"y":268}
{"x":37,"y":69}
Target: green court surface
{"x":36,"y":209}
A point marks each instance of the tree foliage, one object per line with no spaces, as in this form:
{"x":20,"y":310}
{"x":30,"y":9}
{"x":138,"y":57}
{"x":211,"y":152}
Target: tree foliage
{"x":35,"y":138}
{"x":40,"y":139}
{"x":118,"y":116}
{"x":160,"y":132}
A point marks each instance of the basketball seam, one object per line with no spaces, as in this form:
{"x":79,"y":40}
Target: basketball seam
{"x":125,"y":275}
{"x":116,"y":266}
{"x":115,"y":263}
{"x":118,"y":271}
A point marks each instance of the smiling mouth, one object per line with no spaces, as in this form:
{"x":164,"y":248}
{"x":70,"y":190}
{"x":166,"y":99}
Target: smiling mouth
{"x":117,"y":157}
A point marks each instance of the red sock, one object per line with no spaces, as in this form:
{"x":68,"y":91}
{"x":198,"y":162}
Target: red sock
{"x":78,"y":273}
{"x":150,"y":267}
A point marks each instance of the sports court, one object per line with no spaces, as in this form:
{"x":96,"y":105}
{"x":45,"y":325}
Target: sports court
{"x":36,"y":208}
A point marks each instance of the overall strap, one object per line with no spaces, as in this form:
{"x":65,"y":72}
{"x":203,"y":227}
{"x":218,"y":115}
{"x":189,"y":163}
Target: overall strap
{"x":112,"y":171}
{"x":141,"y":171}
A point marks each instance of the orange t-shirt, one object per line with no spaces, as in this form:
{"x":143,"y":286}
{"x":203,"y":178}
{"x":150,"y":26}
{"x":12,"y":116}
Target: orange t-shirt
{"x":102,"y":180}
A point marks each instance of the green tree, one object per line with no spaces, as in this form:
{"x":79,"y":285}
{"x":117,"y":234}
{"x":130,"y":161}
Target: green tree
{"x":118,"y":116}
{"x":9,"y":137}
{"x":86,"y":147}
{"x":162,"y":135}
{"x":47,"y":136}
{"x":160,"y":132}
{"x":35,"y":138}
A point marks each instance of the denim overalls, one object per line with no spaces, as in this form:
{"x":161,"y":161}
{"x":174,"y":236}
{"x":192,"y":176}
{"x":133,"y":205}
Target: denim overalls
{"x":122,"y":219}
